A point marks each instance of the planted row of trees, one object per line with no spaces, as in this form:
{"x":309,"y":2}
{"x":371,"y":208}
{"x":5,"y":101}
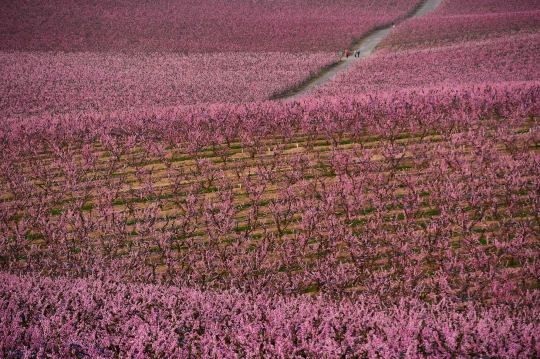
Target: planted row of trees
{"x":76,"y":318}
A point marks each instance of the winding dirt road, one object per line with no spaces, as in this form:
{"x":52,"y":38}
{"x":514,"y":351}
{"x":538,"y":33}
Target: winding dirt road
{"x":366,"y":45}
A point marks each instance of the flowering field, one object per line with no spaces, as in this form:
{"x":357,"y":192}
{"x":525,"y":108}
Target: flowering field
{"x":465,"y":20}
{"x":512,"y":58}
{"x":153,"y":205}
{"x":463,"y":7}
{"x":103,"y":56}
{"x":34,"y":83}
{"x":192,"y":26}
{"x":434,"y":31}
{"x":419,"y":208}
{"x":459,"y":44}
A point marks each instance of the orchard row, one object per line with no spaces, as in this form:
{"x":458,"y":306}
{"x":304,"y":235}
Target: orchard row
{"x":109,"y":318}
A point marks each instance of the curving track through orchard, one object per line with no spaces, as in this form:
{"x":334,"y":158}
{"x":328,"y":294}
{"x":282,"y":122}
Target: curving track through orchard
{"x":366,"y":45}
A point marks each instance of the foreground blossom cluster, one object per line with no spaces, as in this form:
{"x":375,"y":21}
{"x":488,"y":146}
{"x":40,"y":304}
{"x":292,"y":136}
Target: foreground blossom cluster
{"x":108,"y":318}
{"x":411,"y":218}
{"x":173,"y":26}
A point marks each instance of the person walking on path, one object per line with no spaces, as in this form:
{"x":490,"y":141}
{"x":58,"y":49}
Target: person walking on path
{"x":347,"y":53}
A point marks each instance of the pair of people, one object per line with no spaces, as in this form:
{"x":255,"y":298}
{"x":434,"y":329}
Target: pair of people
{"x":347,"y":54}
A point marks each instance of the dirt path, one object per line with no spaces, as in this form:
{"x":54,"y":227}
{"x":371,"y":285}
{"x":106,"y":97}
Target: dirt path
{"x":366,"y":45}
